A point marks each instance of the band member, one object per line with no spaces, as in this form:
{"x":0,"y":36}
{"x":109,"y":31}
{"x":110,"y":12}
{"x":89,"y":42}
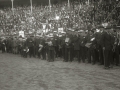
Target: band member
{"x":30,"y":45}
{"x":91,"y":44}
{"x":51,"y":50}
{"x":83,"y":49}
{"x":3,"y":46}
{"x":107,"y":43}
{"x":40,"y":50}
{"x":25,"y":52}
{"x":115,"y":48}
{"x":98,"y":36}
{"x":77,"y":47}
{"x":44,"y":49}
{"x":67,"y":48}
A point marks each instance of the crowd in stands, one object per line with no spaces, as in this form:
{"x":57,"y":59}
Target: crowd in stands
{"x":76,"y":15}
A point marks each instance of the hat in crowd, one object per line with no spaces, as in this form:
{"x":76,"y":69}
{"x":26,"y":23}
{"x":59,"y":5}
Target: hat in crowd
{"x":108,"y":27}
{"x":31,"y":35}
{"x":115,"y":27}
{"x":54,"y":31}
{"x":50,"y":35}
{"x":37,"y":35}
{"x":100,"y":27}
{"x":81,"y":31}
{"x":70,"y":29}
{"x":93,"y":29}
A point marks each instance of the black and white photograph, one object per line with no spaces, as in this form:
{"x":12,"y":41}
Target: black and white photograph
{"x":59,"y":44}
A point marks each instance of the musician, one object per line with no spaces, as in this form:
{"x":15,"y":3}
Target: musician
{"x":107,"y":44}
{"x":91,"y":44}
{"x":30,"y":45}
{"x":3,"y":45}
{"x":20,"y":44}
{"x":83,"y":48}
{"x":44,"y":49}
{"x":115,"y":49}
{"x":25,"y":52}
{"x":76,"y":47}
{"x":98,"y":36}
{"x":67,"y":48}
{"x":15,"y":44}
{"x":51,"y":49}
{"x":63,"y":47}
{"x":60,"y":46}
{"x":40,"y":48}
{"x":72,"y":48}
{"x":56,"y":46}
{"x":36,"y":45}
{"x":7,"y":44}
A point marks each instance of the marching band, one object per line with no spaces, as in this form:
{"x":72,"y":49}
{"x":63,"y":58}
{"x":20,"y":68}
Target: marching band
{"x":61,"y":32}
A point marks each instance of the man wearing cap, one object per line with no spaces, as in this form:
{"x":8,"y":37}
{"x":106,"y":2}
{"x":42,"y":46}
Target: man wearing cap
{"x":7,"y":45}
{"x":71,"y":43}
{"x":76,"y":47}
{"x":56,"y":45}
{"x":60,"y":46}
{"x":115,"y":48}
{"x":20,"y":42}
{"x":30,"y":45}
{"x":98,"y":36}
{"x":63,"y":47}
{"x":44,"y":51}
{"x":10,"y":44}
{"x":67,"y":48}
{"x":91,"y":45}
{"x":40,"y":48}
{"x":15,"y":42}
{"x":107,"y":44}
{"x":51,"y":49}
{"x":36,"y":44}
{"x":83,"y":49}
{"x":3,"y":45}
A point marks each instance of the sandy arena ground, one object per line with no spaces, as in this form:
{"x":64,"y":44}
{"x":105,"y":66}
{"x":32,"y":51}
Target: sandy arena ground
{"x":17,"y":73}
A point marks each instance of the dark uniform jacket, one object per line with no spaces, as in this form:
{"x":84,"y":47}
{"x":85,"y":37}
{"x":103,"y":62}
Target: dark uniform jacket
{"x":29,"y":42}
{"x":107,"y":41}
{"x":89,"y":40}
{"x":51,"y":47}
{"x":76,"y":43}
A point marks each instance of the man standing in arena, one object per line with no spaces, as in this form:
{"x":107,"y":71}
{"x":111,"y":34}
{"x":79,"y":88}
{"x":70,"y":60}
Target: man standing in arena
{"x":107,"y":44}
{"x":30,"y":45}
{"x":51,"y":50}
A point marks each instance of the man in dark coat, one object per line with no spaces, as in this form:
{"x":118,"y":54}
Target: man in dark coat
{"x":36,"y":45}
{"x":30,"y":45}
{"x":71,"y":43}
{"x":91,"y":48}
{"x":3,"y":45}
{"x":10,"y":44}
{"x":99,"y":50}
{"x":56,"y":45}
{"x":44,"y":51}
{"x":83,"y":49}
{"x":63,"y":47}
{"x":60,"y":46}
{"x":51,"y":49}
{"x":115,"y":48}
{"x":107,"y":44}
{"x":67,"y":48}
{"x":77,"y":47}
